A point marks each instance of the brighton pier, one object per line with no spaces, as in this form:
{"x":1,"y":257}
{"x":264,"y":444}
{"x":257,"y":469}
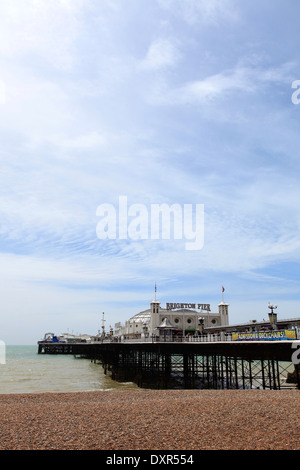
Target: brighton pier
{"x":154,"y":351}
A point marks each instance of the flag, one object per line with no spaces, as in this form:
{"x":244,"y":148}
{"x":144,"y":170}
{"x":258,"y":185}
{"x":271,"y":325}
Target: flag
{"x":223,"y":289}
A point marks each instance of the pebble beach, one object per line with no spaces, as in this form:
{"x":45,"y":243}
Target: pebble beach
{"x":151,"y":420}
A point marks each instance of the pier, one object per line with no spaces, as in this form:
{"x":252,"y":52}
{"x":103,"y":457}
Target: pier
{"x":192,"y":364}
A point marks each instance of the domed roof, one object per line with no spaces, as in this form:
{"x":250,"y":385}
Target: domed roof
{"x":142,"y":317}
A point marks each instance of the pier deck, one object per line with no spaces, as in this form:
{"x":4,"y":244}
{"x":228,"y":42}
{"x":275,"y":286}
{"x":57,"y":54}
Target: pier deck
{"x":216,"y":365}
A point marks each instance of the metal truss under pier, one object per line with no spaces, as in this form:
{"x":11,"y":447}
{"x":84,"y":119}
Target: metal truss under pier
{"x":222,"y":365}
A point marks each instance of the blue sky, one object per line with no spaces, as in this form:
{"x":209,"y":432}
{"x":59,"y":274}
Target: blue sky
{"x":163,"y":101}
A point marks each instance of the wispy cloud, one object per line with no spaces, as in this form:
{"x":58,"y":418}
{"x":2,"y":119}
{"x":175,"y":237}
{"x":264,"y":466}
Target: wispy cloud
{"x":227,"y":83}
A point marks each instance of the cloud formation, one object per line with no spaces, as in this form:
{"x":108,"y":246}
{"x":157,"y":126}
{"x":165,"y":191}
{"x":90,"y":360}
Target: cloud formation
{"x":164,"y":102}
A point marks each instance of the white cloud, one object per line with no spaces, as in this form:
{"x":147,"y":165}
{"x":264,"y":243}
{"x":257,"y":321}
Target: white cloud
{"x":162,"y":53}
{"x":35,"y":106}
{"x":241,"y":79}
{"x":48,"y":29}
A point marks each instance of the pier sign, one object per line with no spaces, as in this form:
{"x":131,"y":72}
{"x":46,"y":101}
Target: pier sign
{"x":173,"y":306}
{"x":264,"y":335}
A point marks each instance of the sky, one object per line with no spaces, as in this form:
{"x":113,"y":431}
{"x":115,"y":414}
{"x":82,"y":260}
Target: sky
{"x":186,"y":102}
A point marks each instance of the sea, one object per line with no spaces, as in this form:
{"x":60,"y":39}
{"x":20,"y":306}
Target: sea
{"x":26,"y":371}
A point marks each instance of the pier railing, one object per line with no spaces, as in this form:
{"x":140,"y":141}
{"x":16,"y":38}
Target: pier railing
{"x":169,"y":339}
{"x":208,"y":338}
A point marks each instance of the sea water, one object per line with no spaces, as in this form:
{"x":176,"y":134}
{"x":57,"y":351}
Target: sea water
{"x":26,"y":371}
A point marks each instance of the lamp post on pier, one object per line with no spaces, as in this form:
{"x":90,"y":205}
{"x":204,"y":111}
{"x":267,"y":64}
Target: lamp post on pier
{"x":272,"y":315}
{"x":103,"y":327}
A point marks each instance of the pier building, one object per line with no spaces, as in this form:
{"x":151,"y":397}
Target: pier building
{"x":174,"y":320}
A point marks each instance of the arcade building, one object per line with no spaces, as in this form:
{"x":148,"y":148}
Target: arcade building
{"x":175,"y":320}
